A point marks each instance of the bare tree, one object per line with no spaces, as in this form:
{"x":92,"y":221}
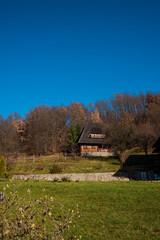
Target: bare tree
{"x":77,"y":114}
{"x":145,"y":136}
{"x":9,"y":142}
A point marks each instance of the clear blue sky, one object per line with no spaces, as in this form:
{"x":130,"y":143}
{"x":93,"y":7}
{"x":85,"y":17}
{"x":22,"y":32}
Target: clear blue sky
{"x":55,"y":52}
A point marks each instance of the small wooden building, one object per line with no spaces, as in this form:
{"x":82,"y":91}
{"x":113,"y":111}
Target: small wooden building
{"x":92,"y":140}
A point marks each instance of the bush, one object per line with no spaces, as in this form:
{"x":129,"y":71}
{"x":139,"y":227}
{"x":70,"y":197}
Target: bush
{"x":65,"y":179}
{"x":25,"y":218}
{"x":8,"y":175}
{"x":2,"y":168}
{"x":40,"y":166}
{"x":10,"y":165}
{"x":55,"y":169}
{"x":56,"y":180}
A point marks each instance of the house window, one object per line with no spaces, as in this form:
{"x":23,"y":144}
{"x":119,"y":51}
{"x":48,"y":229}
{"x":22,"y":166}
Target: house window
{"x":96,"y":135}
{"x":156,"y":176}
{"x":143,"y":176}
{"x":84,"y":146}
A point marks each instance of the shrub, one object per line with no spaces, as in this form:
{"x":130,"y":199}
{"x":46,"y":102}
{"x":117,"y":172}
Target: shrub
{"x":25,"y":218}
{"x":8,"y":175}
{"x":55,"y":169}
{"x":65,"y":179}
{"x":40,"y":166}
{"x":10,"y":165}
{"x":56,"y":180}
{"x":2,"y":168}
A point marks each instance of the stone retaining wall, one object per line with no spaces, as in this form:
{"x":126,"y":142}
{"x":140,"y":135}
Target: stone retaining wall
{"x":73,"y":177}
{"x":96,"y":154}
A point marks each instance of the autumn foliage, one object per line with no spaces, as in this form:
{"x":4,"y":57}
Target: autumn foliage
{"x":130,"y":120}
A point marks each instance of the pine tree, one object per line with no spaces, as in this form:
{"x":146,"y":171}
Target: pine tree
{"x":74,"y":132}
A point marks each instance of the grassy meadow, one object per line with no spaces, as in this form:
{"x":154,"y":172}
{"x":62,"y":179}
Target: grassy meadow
{"x":42,"y":165}
{"x":69,"y":164}
{"x":108,"y":210}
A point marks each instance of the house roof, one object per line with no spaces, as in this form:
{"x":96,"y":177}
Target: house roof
{"x":157,"y":146}
{"x":92,"y":128}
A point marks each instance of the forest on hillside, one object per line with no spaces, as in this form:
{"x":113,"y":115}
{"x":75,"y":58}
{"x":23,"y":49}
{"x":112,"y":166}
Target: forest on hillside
{"x":129,"y":121}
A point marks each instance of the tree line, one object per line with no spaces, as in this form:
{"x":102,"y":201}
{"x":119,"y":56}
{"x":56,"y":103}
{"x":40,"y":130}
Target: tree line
{"x":129,"y":121}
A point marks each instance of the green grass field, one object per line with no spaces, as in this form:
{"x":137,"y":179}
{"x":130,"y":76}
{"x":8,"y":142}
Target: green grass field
{"x":109,"y":210}
{"x":67,"y":164}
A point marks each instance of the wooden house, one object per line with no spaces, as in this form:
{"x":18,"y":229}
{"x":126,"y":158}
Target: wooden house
{"x":92,"y":140}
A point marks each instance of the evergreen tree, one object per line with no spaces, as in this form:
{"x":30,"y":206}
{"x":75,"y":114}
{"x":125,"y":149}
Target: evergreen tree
{"x":74,"y":132}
